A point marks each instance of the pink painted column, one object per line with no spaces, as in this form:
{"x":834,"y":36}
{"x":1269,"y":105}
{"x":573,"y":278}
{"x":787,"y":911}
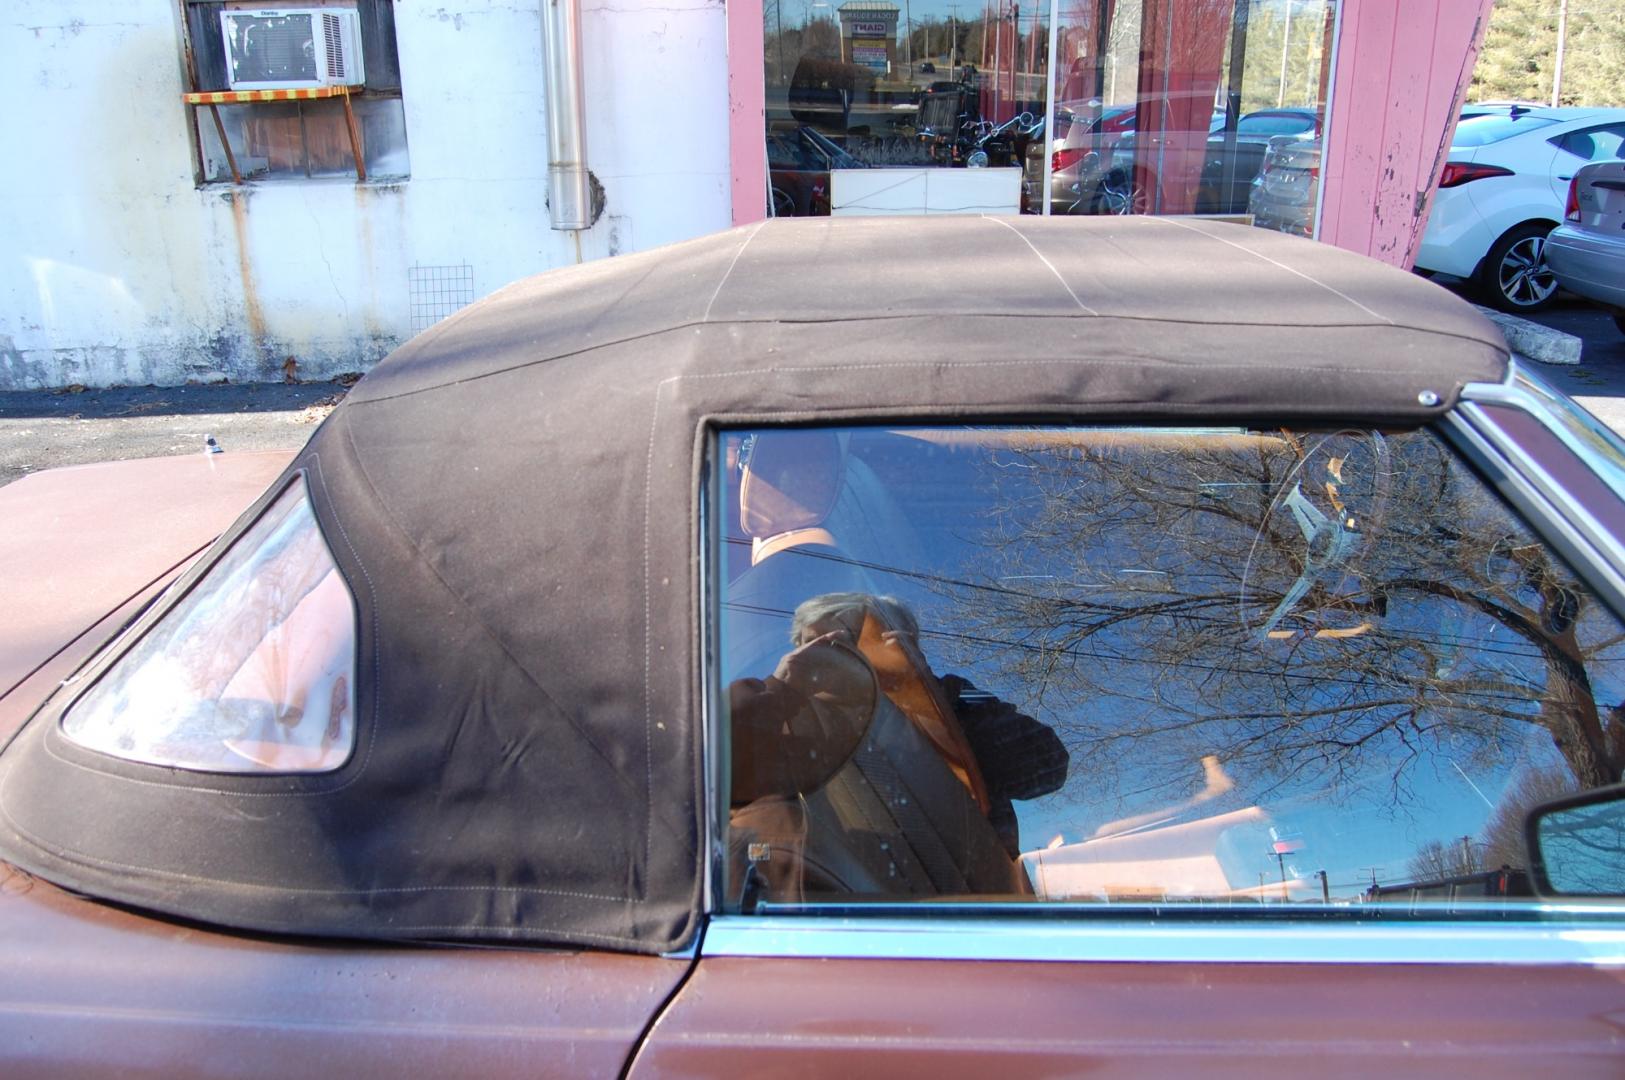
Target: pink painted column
{"x":747,"y":111}
{"x":1402,"y":68}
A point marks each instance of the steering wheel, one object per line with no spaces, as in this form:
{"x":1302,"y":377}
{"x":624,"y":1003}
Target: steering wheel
{"x":1336,"y":496}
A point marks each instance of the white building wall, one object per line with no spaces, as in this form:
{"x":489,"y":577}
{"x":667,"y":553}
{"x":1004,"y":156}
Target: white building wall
{"x":115,"y":268}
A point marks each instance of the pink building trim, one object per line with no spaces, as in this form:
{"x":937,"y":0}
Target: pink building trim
{"x":1402,"y":69}
{"x":747,"y":111}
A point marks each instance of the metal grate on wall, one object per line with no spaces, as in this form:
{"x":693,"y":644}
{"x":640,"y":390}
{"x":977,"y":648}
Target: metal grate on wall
{"x":438,"y":291}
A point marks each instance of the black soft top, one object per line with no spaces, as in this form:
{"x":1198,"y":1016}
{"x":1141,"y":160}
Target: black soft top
{"x":512,"y":498}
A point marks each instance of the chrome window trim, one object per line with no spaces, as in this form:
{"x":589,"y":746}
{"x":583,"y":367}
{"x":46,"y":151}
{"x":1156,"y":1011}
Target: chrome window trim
{"x":1581,"y":938}
{"x":1510,"y":393}
{"x":1569,"y":525}
{"x":713,"y":829}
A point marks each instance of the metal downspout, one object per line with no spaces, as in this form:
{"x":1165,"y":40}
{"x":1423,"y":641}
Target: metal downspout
{"x":569,"y":192}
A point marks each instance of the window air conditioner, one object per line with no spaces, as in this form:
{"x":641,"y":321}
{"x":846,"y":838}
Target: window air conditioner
{"x":290,"y":48}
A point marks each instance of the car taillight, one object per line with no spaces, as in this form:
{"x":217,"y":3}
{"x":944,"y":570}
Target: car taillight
{"x":1571,"y":209}
{"x":1065,"y":158}
{"x":1457,"y":173}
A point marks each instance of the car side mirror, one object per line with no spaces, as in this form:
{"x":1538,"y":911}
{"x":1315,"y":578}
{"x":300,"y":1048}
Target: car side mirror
{"x":1577,"y":845}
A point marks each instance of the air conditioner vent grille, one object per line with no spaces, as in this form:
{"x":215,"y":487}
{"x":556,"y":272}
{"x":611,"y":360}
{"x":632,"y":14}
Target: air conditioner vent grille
{"x":335,"y":53}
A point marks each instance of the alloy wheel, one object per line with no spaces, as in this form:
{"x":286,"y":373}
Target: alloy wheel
{"x":1524,"y":278}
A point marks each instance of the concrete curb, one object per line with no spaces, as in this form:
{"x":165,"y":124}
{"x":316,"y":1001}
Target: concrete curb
{"x":1535,"y":341}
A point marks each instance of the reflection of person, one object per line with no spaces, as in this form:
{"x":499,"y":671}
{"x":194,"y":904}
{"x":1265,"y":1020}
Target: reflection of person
{"x":999,"y":753}
{"x":792,"y":730}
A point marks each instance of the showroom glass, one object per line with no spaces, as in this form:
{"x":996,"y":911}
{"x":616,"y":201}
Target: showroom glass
{"x":1130,"y":666}
{"x":253,"y":671}
{"x":1157,"y":106}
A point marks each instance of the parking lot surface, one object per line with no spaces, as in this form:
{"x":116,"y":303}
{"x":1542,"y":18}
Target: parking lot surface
{"x":45,"y":429}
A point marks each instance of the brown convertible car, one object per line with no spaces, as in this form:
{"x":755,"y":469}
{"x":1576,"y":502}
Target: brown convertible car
{"x":1179,"y":650}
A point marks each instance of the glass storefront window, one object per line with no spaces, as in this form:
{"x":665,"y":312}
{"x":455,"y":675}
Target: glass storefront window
{"x":1211,"y":107}
{"x":911,"y":88}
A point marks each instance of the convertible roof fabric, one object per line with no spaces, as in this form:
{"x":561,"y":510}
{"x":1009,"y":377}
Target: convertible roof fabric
{"x":512,"y":497}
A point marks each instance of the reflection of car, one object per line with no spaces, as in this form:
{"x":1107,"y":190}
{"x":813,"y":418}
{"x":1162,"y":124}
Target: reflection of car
{"x":1587,"y":252}
{"x":1234,"y":159}
{"x":799,"y":162}
{"x":1287,"y":185}
{"x":1114,"y":171}
{"x":440,"y":761}
{"x":1502,"y":191}
{"x":1085,"y":133}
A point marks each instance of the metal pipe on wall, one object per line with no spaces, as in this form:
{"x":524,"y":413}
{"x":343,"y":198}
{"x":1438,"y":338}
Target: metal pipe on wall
{"x":569,"y":200}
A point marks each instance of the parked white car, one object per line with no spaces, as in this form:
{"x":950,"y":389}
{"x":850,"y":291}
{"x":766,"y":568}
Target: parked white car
{"x":1587,"y":252}
{"x":1502,"y":192}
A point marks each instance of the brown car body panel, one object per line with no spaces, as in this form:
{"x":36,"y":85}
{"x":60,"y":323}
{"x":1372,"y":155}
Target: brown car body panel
{"x":90,"y":990}
{"x":940,"y":1018}
{"x":27,"y":696}
{"x":78,"y":542}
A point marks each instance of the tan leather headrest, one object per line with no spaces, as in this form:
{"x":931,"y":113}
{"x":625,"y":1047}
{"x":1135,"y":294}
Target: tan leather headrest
{"x":790,"y":482}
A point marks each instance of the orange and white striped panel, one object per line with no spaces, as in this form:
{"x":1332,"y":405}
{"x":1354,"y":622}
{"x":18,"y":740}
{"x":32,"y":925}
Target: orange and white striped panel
{"x":244,"y":97}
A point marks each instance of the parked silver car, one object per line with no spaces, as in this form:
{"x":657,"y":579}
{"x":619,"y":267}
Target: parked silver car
{"x":1587,"y":251}
{"x":1287,"y":185}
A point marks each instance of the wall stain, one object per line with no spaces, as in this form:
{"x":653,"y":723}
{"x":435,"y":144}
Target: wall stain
{"x":253,"y":313}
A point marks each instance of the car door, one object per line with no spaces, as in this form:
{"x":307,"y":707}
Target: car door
{"x":1580,"y":147}
{"x":1307,"y":685}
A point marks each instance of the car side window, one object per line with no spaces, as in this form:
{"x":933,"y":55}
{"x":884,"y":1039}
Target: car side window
{"x":1594,"y":144}
{"x":1132,"y":666}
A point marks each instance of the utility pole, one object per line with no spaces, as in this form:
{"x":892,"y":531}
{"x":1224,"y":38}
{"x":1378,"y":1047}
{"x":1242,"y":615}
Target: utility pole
{"x":1286,"y":39}
{"x":1562,"y":40}
{"x":908,"y":37}
{"x":778,"y":20}
{"x":1325,"y":887}
{"x":987,"y":11}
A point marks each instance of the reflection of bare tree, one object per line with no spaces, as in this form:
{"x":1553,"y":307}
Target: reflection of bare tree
{"x":1503,"y":836}
{"x":1583,"y":848}
{"x":1305,"y":607}
{"x":1436,"y":859}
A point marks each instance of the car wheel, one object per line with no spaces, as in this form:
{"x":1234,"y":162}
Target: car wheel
{"x":1120,"y":193}
{"x":783,"y":204}
{"x":1514,"y":276}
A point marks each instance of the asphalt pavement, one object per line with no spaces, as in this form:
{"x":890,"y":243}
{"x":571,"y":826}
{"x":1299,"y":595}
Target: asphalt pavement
{"x":43,"y":429}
